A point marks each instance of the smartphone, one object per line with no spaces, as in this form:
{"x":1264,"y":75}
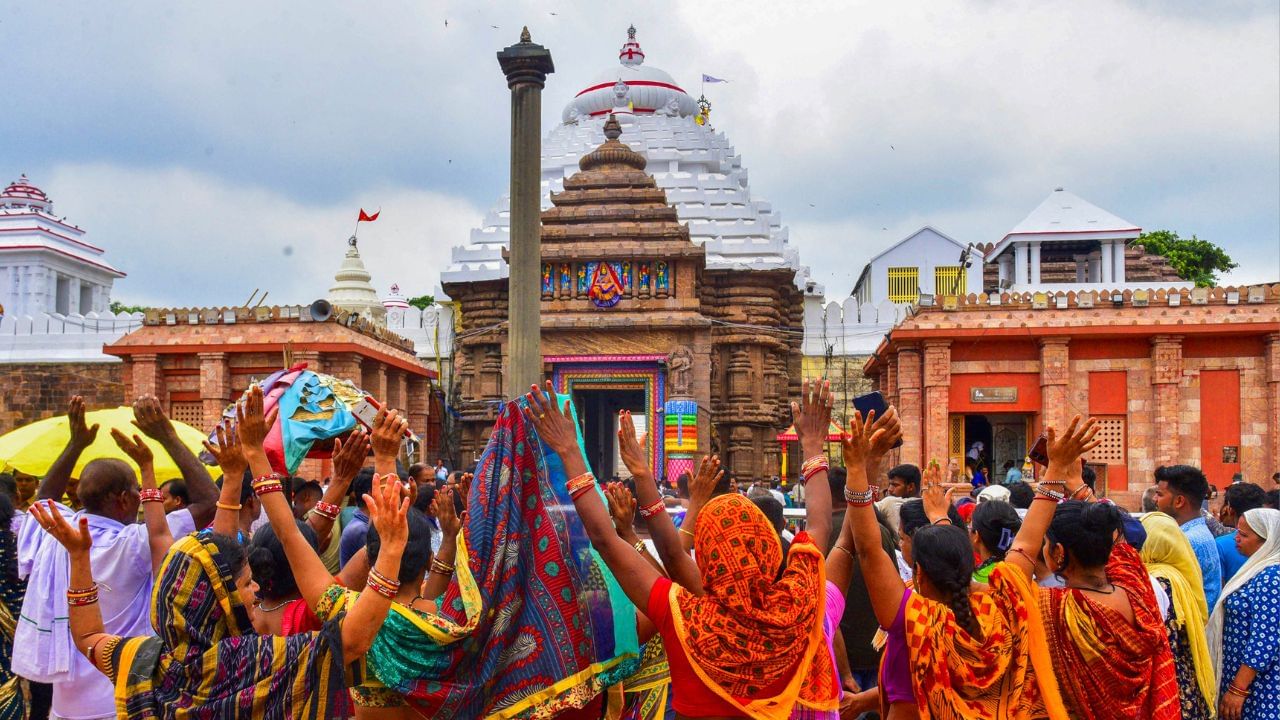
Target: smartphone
{"x":1039,"y":451}
{"x":864,"y":404}
{"x":366,"y":411}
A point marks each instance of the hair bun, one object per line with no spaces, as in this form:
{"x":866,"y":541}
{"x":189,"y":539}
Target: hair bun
{"x":1101,"y":517}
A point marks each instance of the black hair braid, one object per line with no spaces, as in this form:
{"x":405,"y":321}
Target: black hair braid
{"x":944,"y":555}
{"x":960,"y":605}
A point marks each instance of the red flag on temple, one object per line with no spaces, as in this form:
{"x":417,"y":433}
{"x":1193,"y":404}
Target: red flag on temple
{"x":366,"y":217}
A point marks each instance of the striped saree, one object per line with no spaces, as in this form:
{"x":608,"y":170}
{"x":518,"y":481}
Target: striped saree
{"x":206,"y":662}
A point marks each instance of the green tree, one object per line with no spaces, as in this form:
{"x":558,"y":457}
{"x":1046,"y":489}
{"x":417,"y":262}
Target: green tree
{"x":422,"y":302}
{"x":118,"y":307}
{"x":1193,"y":259}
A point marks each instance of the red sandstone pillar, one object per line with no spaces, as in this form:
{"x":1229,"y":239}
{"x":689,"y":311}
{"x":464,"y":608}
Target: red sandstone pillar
{"x":344,"y":366}
{"x":1166,"y":379}
{"x":937,"y":399}
{"x":375,"y":380}
{"x":909,"y":402}
{"x":215,"y":386}
{"x":146,"y":377}
{"x":1055,"y":406}
{"x":417,"y":399}
{"x":1272,"y":440}
{"x":310,"y":357}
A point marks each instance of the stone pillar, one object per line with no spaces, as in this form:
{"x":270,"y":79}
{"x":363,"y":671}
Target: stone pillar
{"x":1117,"y":261}
{"x":1166,"y":377}
{"x":374,"y":380}
{"x":1272,"y":361}
{"x":1005,"y":265}
{"x":1082,"y":268}
{"x":1055,"y":407}
{"x":909,"y":401}
{"x":1035,"y":263}
{"x":1095,"y":267}
{"x":215,"y":386}
{"x":1020,"y":263}
{"x":1106,"y":259}
{"x":146,"y":377}
{"x":418,"y":406}
{"x":398,"y":389}
{"x":937,"y":399}
{"x":526,"y":66}
{"x":310,"y":357}
{"x":344,"y":366}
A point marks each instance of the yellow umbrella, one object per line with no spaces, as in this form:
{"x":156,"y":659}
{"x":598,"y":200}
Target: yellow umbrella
{"x":33,"y":448}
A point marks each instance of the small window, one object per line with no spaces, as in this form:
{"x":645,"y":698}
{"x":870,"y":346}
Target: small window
{"x":190,"y":412}
{"x":1111,"y":450}
{"x":949,"y":280}
{"x":904,"y":284}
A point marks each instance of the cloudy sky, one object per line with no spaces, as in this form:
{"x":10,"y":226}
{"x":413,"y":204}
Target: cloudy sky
{"x":215,"y":148}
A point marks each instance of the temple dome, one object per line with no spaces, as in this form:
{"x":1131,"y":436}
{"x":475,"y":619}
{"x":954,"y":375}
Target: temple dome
{"x":21,"y":193}
{"x":352,"y":290}
{"x":697,"y":167}
{"x":632,"y":86}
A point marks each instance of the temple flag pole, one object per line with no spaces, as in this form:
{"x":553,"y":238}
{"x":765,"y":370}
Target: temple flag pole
{"x":526,"y":66}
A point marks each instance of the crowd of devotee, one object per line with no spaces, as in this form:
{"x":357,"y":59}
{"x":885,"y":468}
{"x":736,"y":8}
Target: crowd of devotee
{"x":526,"y":588}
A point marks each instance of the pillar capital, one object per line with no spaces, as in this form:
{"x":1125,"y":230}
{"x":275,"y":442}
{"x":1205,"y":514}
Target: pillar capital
{"x":526,"y":62}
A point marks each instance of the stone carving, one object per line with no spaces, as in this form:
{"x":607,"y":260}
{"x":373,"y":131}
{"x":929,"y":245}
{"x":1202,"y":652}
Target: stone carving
{"x":679,"y":366}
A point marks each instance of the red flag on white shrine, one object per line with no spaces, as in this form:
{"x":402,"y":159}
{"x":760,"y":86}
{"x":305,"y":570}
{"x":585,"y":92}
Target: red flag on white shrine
{"x":366,"y":217}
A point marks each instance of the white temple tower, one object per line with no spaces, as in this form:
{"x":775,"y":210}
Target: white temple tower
{"x":46,"y":266}
{"x":352,"y":290}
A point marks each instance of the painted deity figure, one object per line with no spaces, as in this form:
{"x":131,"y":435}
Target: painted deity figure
{"x":679,"y":364}
{"x":661,"y":276}
{"x":626,"y":274}
{"x":566,"y":277}
{"x":582,"y":278}
{"x":644,"y":276}
{"x":547,"y":288}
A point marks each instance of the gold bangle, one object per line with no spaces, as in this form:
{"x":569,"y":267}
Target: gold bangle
{"x":846,"y":550}
{"x":640,"y":547}
{"x":228,"y":506}
{"x":686,"y":532}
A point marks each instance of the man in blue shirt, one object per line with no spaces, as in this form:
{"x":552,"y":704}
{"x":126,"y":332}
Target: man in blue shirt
{"x":1180,"y":492}
{"x":1240,"y":498}
{"x":353,"y":535}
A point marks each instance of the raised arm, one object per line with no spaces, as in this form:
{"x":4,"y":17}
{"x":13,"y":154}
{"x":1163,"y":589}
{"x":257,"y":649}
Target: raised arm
{"x":442,"y":565}
{"x":679,"y":566}
{"x":878,"y":570}
{"x":84,"y":616}
{"x":230,"y":456}
{"x":54,"y":485}
{"x":841,"y":558}
{"x":812,"y":418}
{"x":159,"y":536}
{"x":622,"y":507}
{"x":701,"y":488}
{"x":152,"y":421}
{"x":1062,"y":479}
{"x":348,"y":458}
{"x":556,"y":428}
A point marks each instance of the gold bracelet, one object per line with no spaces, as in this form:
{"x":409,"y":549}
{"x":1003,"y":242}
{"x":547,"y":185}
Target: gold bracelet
{"x":686,"y":532}
{"x":640,"y":547}
{"x":228,"y":506}
{"x":846,"y":550}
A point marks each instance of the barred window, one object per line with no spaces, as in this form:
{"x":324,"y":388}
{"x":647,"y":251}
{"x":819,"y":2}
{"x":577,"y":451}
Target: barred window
{"x":904,"y":284}
{"x":190,"y":412}
{"x":949,"y":280}
{"x":1111,"y":433}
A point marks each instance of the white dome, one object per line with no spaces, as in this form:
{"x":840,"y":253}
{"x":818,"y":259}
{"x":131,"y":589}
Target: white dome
{"x":630,"y":85}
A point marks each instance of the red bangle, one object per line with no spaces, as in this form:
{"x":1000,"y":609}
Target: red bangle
{"x":652,"y":509}
{"x":151,"y":495}
{"x":267,"y":487}
{"x":579,"y":483}
{"x":326,"y":510}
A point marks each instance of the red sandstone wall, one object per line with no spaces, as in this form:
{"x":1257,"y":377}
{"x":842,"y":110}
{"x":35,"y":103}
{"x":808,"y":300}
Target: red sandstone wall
{"x":31,"y":392}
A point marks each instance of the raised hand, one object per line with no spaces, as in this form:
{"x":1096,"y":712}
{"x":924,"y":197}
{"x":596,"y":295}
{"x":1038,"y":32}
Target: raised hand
{"x":704,"y":483}
{"x":464,"y":486}
{"x":389,"y":428}
{"x":135,"y":448}
{"x":935,"y":497}
{"x":149,"y":417}
{"x":442,"y":508}
{"x":861,"y":439}
{"x":76,"y":540}
{"x":251,"y":424}
{"x":633,"y":455}
{"x":554,"y":423}
{"x":882,"y":443}
{"x":622,"y":507}
{"x":1078,"y":439}
{"x":228,"y":451}
{"x":812,"y":415}
{"x":82,"y":436}
{"x":388,"y":509}
{"x":349,"y":456}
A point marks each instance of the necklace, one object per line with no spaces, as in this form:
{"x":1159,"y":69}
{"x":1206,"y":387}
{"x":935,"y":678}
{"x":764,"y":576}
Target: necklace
{"x":1095,"y":590}
{"x":273,"y":609}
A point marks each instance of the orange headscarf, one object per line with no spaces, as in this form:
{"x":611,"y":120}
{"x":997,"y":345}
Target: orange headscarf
{"x":751,"y":630}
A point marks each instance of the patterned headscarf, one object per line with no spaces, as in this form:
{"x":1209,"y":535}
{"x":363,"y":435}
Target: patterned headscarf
{"x":748,"y":632}
{"x":206,"y":661}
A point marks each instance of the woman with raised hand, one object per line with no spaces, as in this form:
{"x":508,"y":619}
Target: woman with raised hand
{"x":1242,"y":628}
{"x":1170,"y":560}
{"x":205,"y":660}
{"x":750,"y":643}
{"x":1104,"y":630}
{"x":949,"y":653}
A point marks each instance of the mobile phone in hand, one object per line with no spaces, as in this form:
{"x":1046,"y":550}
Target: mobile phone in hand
{"x":1039,"y":450}
{"x":864,"y":404}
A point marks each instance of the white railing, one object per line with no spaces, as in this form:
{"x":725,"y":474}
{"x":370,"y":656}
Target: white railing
{"x":52,"y":337}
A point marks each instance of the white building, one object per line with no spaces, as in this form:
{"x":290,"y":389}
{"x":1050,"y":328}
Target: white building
{"x":46,"y":265}
{"x":352,"y":290}
{"x":697,"y":167}
{"x":926,"y":262}
{"x":1068,"y":229}
{"x":430,"y":329}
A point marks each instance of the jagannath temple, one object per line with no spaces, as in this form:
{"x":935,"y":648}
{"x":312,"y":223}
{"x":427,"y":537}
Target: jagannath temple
{"x":668,"y":290}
